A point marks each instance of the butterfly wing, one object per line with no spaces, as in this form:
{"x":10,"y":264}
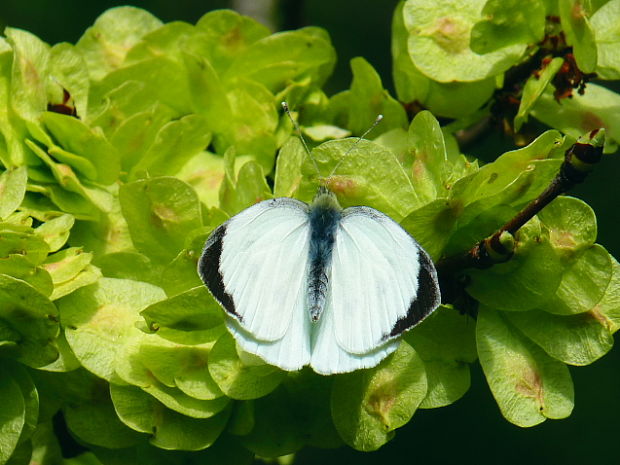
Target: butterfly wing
{"x":255,"y":266}
{"x":328,"y":357}
{"x":381,"y":284}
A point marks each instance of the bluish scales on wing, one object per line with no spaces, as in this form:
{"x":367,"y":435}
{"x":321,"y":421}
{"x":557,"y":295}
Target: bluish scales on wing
{"x":324,"y":216}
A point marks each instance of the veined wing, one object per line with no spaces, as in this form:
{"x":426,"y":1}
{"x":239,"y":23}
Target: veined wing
{"x":382,"y":282}
{"x":255,"y":266}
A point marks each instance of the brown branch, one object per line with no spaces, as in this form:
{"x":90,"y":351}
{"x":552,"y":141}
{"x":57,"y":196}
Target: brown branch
{"x":579,"y":160}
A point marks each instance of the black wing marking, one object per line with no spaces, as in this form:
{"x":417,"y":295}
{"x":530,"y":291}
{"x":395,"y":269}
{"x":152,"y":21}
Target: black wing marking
{"x":209,"y":270}
{"x":427,"y":299}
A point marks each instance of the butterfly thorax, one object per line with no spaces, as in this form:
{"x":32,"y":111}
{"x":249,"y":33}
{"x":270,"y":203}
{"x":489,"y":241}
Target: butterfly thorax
{"x":324,"y":214}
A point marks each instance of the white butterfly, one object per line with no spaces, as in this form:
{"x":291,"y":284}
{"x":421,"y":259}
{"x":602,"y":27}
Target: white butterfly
{"x":318,"y":285}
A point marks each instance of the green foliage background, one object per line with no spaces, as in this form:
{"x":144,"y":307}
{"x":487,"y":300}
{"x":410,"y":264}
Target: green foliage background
{"x":471,"y":430}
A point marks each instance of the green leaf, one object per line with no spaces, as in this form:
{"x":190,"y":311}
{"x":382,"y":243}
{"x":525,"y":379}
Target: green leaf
{"x":66,"y":360}
{"x":323,"y":132}
{"x":432,"y":225}
{"x":209,"y":93}
{"x":410,"y":83}
{"x":184,"y":404}
{"x":534,"y":88}
{"x":12,"y":153}
{"x":192,"y":311}
{"x":507,"y":23}
{"x":235,"y":377}
{"x":168,"y":429}
{"x":368,"y":99}
{"x":180,"y":274}
{"x":20,"y":376}
{"x":528,"y":279}
{"x":169,"y":39}
{"x":55,"y":231}
{"x":12,"y":190}
{"x":12,"y":414}
{"x":32,"y":317}
{"x":77,"y":138}
{"x":98,"y":318}
{"x":573,"y":339}
{"x":28,"y":94}
{"x":439,"y":36}
{"x":368,"y":405}
{"x":69,"y":72}
{"x":288,"y":169}
{"x":429,"y":157}
{"x":133,"y":89}
{"x":135,"y":134}
{"x":228,"y":34}
{"x":71,"y":194}
{"x":579,"y":33}
{"x":175,"y":143}
{"x":597,"y":108}
{"x":249,"y":188}
{"x":45,"y":448}
{"x":286,"y":56}
{"x":583,"y":284}
{"x":66,"y":264}
{"x":204,"y":172}
{"x":607,"y":311}
{"x":511,"y":170}
{"x":105,"y":44}
{"x":19,"y":267}
{"x":159,"y":213}
{"x":369,"y":175}
{"x":31,"y":247}
{"x":127,"y":265}
{"x":571,"y":224}
{"x":95,"y":422}
{"x":446,"y":342}
{"x":528,"y":385}
{"x":607,"y":29}
{"x":397,"y":140}
{"x":251,"y":129}
{"x":452,"y":99}
{"x":173,"y":373}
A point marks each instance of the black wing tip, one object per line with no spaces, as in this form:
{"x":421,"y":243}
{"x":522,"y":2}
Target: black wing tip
{"x":210,"y":273}
{"x":426,"y":300}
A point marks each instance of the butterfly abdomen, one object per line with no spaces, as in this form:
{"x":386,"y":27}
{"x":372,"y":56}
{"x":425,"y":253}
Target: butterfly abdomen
{"x":325,"y":215}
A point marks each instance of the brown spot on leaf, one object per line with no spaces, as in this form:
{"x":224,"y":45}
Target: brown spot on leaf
{"x":577,"y":12}
{"x":418,"y":169}
{"x":209,"y":178}
{"x":162,"y":214}
{"x":451,"y":34}
{"x":381,"y":402}
{"x":343,"y":185}
{"x":596,"y":314}
{"x":530,"y":385}
{"x":563,"y":239}
{"x":233,"y":40}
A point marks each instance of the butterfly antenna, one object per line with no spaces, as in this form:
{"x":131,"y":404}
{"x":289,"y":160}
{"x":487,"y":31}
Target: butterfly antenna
{"x":377,"y":121}
{"x":301,"y":137}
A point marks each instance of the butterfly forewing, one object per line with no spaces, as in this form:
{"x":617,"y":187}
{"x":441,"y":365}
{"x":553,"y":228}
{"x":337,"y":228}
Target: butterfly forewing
{"x":255,"y":266}
{"x":375,"y":281}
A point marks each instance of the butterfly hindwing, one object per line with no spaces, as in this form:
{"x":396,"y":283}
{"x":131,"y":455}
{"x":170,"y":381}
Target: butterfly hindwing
{"x":255,"y":266}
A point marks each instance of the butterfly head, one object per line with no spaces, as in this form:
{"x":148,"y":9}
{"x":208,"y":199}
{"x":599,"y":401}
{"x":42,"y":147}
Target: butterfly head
{"x":326,"y":199}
